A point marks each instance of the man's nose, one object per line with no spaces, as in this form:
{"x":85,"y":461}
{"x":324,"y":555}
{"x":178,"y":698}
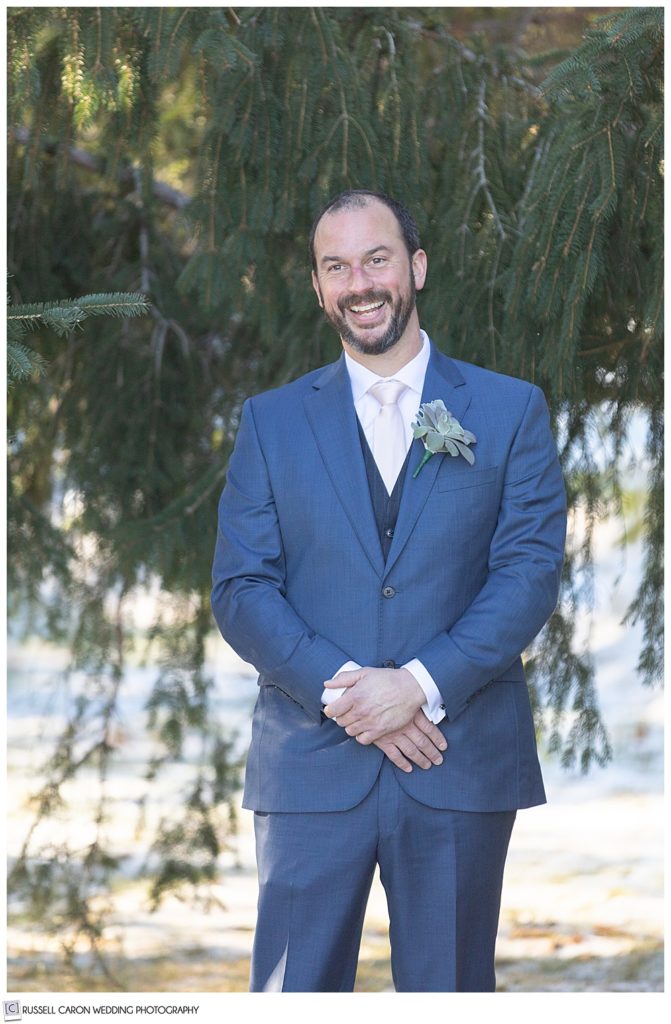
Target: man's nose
{"x":360,"y":278}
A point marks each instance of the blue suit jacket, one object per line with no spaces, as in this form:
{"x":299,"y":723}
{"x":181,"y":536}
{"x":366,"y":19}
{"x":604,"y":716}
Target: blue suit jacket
{"x":301,"y":587}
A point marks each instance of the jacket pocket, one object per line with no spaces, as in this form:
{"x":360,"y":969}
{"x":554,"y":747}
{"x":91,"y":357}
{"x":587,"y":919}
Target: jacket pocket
{"x":263,"y":682}
{"x":450,"y":478}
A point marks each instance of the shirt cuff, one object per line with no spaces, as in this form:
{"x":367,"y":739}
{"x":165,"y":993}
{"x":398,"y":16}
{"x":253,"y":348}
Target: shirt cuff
{"x":328,"y":696}
{"x":434,"y":709}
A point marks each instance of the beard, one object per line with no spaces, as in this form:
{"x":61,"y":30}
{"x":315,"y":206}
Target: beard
{"x":358,"y":339}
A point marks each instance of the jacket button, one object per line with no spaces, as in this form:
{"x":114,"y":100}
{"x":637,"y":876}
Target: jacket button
{"x":388,"y":592}
{"x":388,"y":664}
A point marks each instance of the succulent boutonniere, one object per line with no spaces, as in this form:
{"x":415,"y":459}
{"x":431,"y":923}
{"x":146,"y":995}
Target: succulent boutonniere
{"x":441,"y":433}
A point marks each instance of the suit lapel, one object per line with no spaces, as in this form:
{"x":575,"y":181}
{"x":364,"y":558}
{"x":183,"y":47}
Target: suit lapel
{"x":332,"y":417}
{"x":442,"y":380}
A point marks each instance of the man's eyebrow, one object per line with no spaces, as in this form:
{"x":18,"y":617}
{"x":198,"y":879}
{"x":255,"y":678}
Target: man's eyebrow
{"x":339,"y":259}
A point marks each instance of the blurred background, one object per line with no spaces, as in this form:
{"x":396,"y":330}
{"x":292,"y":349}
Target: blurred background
{"x":164,"y":167}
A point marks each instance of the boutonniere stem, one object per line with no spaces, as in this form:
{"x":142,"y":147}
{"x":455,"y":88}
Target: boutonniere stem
{"x":441,"y":433}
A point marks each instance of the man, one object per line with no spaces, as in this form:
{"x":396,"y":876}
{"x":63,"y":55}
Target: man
{"x":386,"y":610}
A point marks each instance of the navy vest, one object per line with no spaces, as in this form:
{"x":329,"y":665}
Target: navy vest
{"x":385,"y":506}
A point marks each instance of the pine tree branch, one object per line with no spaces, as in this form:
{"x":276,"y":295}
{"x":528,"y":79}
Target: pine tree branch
{"x":165,"y":193}
{"x":322,"y":42}
{"x":117,"y":304}
{"x":440,"y":35}
{"x":612,"y":346}
{"x":539,"y":155}
{"x":481,"y":110}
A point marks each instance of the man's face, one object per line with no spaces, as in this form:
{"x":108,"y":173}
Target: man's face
{"x":365,"y":279}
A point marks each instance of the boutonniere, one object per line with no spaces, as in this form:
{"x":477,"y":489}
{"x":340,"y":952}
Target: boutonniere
{"x":441,"y":433}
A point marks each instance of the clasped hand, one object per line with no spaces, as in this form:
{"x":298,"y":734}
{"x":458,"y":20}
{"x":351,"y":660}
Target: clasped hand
{"x":383,"y":707}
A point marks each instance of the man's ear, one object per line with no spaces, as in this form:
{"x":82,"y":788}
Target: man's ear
{"x":315,"y":285}
{"x":419,"y":268}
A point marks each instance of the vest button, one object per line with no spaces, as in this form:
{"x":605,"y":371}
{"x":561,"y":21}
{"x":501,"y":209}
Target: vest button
{"x":388,"y":664}
{"x":389,"y":533}
{"x":388,"y":592}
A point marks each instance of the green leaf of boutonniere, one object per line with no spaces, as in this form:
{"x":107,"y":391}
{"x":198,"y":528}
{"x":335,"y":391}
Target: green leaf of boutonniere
{"x":441,"y":433}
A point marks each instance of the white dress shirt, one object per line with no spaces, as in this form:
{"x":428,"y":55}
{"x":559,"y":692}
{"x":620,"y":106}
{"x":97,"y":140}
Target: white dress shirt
{"x":367,"y":408}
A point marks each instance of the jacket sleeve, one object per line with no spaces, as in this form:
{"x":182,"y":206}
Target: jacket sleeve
{"x":248,"y":574}
{"x":524,"y":569}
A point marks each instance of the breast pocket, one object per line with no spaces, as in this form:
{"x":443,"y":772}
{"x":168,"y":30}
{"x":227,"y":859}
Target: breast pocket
{"x":452,"y":478}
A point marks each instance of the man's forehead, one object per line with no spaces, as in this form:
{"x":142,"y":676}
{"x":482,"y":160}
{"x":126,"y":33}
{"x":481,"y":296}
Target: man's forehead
{"x":354,"y":224}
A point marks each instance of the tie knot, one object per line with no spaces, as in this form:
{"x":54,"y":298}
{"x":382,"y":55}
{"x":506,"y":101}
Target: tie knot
{"x":387,"y":392}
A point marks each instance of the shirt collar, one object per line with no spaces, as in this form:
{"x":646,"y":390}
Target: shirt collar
{"x":412,"y":374}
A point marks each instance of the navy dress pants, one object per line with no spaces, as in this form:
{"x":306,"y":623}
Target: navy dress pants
{"x":442,"y":872}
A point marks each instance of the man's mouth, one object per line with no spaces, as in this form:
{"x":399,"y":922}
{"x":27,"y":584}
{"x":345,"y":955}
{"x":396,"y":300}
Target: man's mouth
{"x":367,"y":307}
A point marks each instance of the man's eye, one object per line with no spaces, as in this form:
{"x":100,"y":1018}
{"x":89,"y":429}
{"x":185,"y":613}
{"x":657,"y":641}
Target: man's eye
{"x":335,"y":266}
{"x":377,"y":260}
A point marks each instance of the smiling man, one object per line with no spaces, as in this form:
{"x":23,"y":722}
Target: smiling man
{"x":386,"y":611}
{"x":368,"y":295}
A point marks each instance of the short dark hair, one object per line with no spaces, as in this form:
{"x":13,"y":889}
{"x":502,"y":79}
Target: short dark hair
{"x":359,"y":197}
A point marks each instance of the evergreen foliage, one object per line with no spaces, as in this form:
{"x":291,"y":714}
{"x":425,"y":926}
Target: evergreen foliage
{"x":181,"y":153}
{"x":62,"y":317}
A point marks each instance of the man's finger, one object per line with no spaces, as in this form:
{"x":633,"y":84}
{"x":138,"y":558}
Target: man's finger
{"x":430,"y":730}
{"x":426,"y":740}
{"x":423,"y":743}
{"x":413,"y":752}
{"x":373,"y":733}
{"x":349,"y":718}
{"x":343,"y":679}
{"x":395,"y":756}
{"x":338,"y":707}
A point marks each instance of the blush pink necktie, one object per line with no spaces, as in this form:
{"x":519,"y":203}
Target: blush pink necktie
{"x":389,"y":440}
